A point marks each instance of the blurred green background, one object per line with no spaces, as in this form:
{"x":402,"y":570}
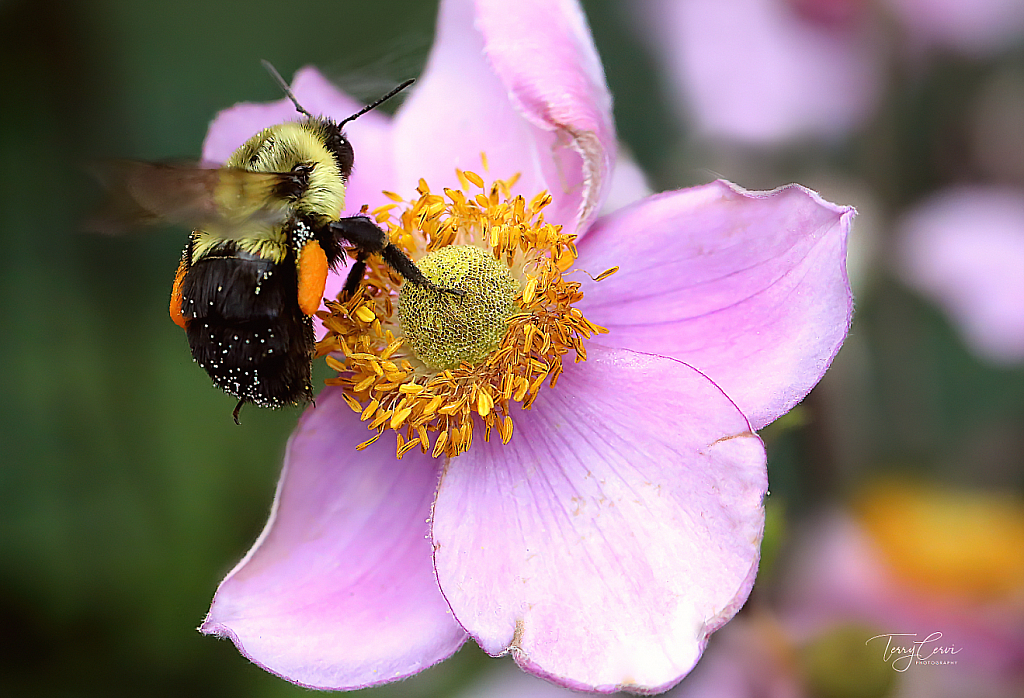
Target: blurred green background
{"x":126,"y":492}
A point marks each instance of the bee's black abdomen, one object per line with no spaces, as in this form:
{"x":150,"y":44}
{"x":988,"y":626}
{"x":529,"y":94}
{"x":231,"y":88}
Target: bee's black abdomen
{"x":264,"y":363}
{"x":246,"y":330}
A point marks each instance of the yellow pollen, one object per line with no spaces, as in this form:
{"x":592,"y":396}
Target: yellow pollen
{"x":431,"y":365}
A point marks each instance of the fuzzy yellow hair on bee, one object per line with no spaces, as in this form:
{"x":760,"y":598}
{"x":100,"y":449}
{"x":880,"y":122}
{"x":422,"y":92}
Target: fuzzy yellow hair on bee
{"x":280,"y":148}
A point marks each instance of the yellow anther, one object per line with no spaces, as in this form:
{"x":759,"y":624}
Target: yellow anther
{"x":484,"y":403}
{"x":400,"y":416}
{"x":531,"y":288}
{"x":366,"y":443}
{"x":371,"y":408}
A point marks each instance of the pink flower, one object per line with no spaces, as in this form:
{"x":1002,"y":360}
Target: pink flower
{"x":770,"y":72}
{"x":964,"y":248}
{"x":620,"y":524}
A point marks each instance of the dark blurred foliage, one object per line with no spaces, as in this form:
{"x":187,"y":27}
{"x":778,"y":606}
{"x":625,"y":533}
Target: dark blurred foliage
{"x":126,"y":492}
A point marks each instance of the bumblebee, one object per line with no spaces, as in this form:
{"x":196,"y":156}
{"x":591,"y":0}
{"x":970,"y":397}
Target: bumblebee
{"x":266,"y":230}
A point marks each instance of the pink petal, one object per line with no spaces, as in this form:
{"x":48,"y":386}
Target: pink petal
{"x":370,"y":135}
{"x":338,"y":591}
{"x":556,"y":80}
{"x":617,"y":530}
{"x":964,"y":248}
{"x":757,"y":71}
{"x":750,"y":288}
{"x":750,"y":658}
{"x":520,"y":82}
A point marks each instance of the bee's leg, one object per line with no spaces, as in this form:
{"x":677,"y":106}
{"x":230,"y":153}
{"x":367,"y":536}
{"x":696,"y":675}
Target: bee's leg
{"x":355,"y":275}
{"x":237,"y":409}
{"x":362,"y":233}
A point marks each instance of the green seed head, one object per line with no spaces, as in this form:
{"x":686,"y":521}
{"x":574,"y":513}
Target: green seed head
{"x":445,"y":330}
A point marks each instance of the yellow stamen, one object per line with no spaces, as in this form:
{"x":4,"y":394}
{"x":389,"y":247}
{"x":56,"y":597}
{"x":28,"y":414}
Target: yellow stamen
{"x":388,"y":375}
{"x":365,"y":314}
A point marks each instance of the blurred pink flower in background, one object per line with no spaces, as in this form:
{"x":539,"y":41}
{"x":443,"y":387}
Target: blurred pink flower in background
{"x":963,"y":248}
{"x":621,"y":524}
{"x":768,"y":71}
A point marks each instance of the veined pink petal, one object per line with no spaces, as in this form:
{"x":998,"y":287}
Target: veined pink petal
{"x":749,"y":288}
{"x":338,"y":591}
{"x":617,"y":530}
{"x":759,"y":72}
{"x":964,"y":248}
{"x":526,"y":105}
{"x":751,"y":657}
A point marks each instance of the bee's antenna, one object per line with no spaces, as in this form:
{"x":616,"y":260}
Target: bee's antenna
{"x":379,"y":102}
{"x":287,"y":90}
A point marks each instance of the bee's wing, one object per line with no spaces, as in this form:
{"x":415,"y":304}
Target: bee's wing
{"x":224,"y":201}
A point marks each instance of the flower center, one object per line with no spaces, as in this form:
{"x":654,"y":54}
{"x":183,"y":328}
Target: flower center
{"x":444,"y":330}
{"x":430,"y":365}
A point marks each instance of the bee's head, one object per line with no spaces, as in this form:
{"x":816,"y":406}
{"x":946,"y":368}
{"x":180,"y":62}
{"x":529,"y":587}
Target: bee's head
{"x":331,"y":133}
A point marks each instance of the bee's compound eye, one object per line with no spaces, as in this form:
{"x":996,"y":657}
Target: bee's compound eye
{"x":296,"y":182}
{"x":342,"y":149}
